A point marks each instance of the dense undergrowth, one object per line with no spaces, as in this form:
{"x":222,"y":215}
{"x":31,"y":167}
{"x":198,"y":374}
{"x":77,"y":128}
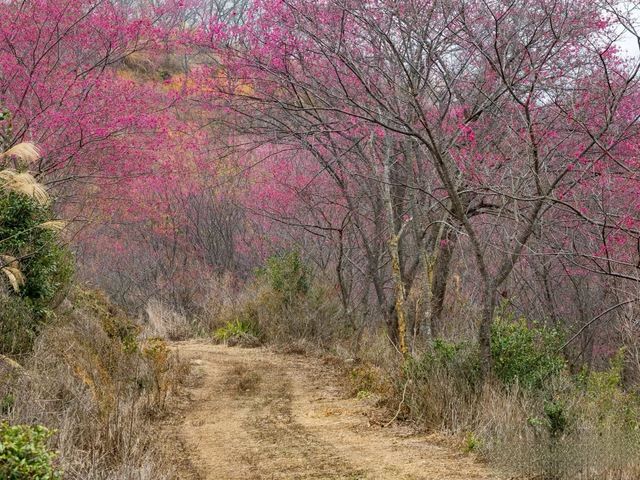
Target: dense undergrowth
{"x":285,"y":305}
{"x":80,"y":382}
{"x":98,"y":386}
{"x":533,"y":417}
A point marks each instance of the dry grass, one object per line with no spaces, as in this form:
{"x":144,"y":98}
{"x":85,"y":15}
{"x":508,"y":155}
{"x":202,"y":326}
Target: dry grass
{"x":100,"y":393}
{"x":512,"y":432}
{"x":244,"y":379}
{"x":223,"y":297}
{"x":562,"y":432}
{"x":25,"y":152}
{"x":509,"y":427}
{"x":312,"y":322}
{"x":24,"y":183}
{"x":10,"y":267}
{"x":163,"y":322}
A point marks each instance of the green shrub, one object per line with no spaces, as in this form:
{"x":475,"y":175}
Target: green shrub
{"x":525,"y":354}
{"x":24,"y":454}
{"x":46,"y":265}
{"x":287,"y":274}
{"x":236,"y":328}
{"x":471,"y":443}
{"x":608,"y":400}
{"x":556,"y":416}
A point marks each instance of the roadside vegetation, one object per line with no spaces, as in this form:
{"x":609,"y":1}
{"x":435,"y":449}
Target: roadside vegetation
{"x":79,"y":382}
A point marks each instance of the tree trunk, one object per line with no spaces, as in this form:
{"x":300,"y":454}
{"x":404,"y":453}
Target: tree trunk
{"x":438,"y":287}
{"x":484,"y":335}
{"x":399,"y":291}
{"x":394,"y":252}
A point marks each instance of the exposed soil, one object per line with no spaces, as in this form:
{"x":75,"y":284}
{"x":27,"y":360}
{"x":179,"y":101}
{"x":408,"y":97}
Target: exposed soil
{"x":255,"y":414}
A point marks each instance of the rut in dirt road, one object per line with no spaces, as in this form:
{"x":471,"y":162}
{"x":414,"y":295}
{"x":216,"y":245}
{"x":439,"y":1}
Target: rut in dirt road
{"x":260,"y":415}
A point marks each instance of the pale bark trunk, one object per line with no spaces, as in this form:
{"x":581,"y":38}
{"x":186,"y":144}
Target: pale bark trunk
{"x":394,"y":252}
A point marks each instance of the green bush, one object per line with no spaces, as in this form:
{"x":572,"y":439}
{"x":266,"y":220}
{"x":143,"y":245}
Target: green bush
{"x":24,"y":454}
{"x":614,"y":406}
{"x":556,"y":417}
{"x":235,"y":328}
{"x":287,"y":274}
{"x":525,"y":354}
{"x":46,"y":265}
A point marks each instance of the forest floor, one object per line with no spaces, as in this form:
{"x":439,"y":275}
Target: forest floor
{"x":254,"y":414}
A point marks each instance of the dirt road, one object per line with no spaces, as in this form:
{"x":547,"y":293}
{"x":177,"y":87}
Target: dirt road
{"x":260,"y":415}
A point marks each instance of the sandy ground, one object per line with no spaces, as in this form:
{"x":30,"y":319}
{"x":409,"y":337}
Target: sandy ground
{"x":254,"y":414}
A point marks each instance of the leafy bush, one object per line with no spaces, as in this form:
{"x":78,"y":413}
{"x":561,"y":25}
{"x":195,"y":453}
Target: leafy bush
{"x":24,"y":454}
{"x":235,"y":328}
{"x":46,"y":265}
{"x":287,"y":274}
{"x":607,"y":399}
{"x":525,"y":354}
{"x":556,"y":414}
{"x":40,"y":267}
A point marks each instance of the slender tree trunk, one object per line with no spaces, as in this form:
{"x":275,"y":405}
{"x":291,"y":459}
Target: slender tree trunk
{"x":439,"y":276}
{"x":484,"y":335}
{"x":399,"y":291}
{"x":394,"y":252}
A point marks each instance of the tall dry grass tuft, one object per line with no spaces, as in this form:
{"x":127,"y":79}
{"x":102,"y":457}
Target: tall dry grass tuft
{"x":24,"y":183}
{"x":25,"y":152}
{"x":20,"y":181}
{"x":223,"y":296}
{"x":10,"y":267}
{"x":161,"y":321}
{"x":54,"y":225}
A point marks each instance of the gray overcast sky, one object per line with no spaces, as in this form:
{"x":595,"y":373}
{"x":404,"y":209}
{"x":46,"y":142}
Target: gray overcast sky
{"x":629,"y":43}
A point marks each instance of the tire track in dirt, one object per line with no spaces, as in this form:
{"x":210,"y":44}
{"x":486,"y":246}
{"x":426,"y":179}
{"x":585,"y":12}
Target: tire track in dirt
{"x":259,"y":415}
